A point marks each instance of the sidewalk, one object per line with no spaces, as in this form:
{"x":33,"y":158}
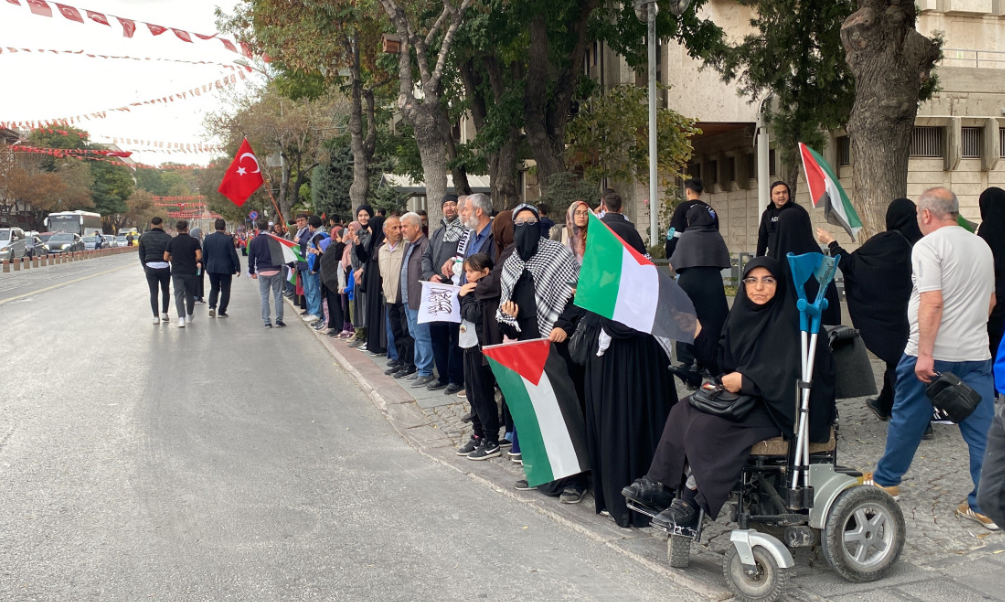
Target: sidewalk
{"x":944,"y":558}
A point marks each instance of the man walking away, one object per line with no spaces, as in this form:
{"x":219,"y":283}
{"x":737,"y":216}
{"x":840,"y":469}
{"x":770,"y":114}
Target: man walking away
{"x":153,"y":244}
{"x":185,"y":255}
{"x":222,"y":263}
{"x":442,"y":247}
{"x":693,"y":190}
{"x":411,"y":295}
{"x":269,"y":276}
{"x":953,"y":273}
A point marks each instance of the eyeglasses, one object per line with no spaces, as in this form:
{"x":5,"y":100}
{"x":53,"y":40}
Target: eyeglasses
{"x":521,"y":222}
{"x":766,"y":281}
{"x":581,"y":213}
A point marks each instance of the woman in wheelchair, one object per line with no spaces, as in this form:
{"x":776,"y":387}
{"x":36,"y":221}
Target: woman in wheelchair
{"x":700,"y":456}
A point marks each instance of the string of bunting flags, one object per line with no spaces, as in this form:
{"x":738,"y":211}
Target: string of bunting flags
{"x":61,"y":153}
{"x":12,"y":50}
{"x":158,"y":146}
{"x":71,"y":152}
{"x":129,"y":27}
{"x":196,"y":197}
{"x":65,"y":121}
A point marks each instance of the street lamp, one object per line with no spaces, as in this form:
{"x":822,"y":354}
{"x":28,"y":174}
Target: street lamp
{"x":646,"y":10}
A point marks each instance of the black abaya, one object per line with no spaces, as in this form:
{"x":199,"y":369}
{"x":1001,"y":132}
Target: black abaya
{"x":376,"y":336}
{"x":992,"y":230}
{"x":794,"y":234}
{"x":629,"y":393}
{"x":704,"y":286}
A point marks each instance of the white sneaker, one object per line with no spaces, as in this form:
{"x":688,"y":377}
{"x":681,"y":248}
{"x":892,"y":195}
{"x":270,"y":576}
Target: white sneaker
{"x":157,"y":320}
{"x":181,"y":322}
{"x":212,"y":312}
{"x":188,"y":318}
{"x":310,"y":318}
{"x":165,"y":318}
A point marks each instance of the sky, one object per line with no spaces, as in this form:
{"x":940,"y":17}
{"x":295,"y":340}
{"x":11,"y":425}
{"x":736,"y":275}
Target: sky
{"x":38,"y":86}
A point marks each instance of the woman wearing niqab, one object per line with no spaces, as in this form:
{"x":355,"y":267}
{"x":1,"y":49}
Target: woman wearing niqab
{"x":878,"y":287}
{"x":992,"y":230}
{"x":760,"y":342}
{"x":794,"y":234}
{"x":699,"y":258}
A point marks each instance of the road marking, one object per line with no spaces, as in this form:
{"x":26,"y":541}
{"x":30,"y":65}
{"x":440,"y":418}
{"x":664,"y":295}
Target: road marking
{"x":62,"y":284}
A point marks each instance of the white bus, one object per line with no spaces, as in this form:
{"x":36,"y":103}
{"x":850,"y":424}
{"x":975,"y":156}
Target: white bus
{"x":83,"y":223}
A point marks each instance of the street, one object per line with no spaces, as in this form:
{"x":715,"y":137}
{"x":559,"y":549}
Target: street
{"x":225,"y":461}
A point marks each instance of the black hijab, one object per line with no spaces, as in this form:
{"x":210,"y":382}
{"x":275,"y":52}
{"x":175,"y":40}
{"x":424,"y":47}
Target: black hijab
{"x":364,"y":207}
{"x":793,"y":234}
{"x":376,"y":226}
{"x":992,"y":230}
{"x":700,"y":245}
{"x":878,"y":282}
{"x":762,"y":343}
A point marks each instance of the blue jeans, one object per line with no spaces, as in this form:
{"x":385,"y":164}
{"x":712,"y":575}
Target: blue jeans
{"x":312,"y":291}
{"x":392,"y":353}
{"x":423,"y":343}
{"x":275,"y":285}
{"x":912,"y":412}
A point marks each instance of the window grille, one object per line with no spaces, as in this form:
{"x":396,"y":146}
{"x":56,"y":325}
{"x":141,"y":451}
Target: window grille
{"x":730,"y":169}
{"x":971,"y":143}
{"x":1001,"y":142}
{"x":713,"y":166}
{"x":926,"y":141}
{"x":844,"y":150}
{"x":771,"y":162}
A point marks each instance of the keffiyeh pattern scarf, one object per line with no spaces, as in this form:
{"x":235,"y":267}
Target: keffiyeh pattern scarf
{"x":553,"y":267}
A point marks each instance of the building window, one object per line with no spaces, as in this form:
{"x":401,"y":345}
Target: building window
{"x":971,"y":143}
{"x":926,"y":141}
{"x":844,"y":150}
{"x":1001,"y":142}
{"x":771,"y":162}
{"x":713,"y":167}
{"x":751,"y":165}
{"x":694,"y":170}
{"x":730,"y":169}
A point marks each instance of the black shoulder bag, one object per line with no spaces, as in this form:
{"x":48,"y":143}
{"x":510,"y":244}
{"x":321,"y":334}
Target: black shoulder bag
{"x":714,"y":399}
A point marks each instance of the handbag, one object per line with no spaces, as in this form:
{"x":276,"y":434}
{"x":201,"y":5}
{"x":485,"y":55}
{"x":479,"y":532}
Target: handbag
{"x":714,"y":399}
{"x":952,"y":396}
{"x":579,"y":345}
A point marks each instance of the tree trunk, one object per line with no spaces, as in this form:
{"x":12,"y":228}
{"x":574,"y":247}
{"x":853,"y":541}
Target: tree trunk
{"x":891,"y":62}
{"x":459,"y":173}
{"x":502,"y":170}
{"x":361,"y":143}
{"x":426,"y":120}
{"x":284,"y":186}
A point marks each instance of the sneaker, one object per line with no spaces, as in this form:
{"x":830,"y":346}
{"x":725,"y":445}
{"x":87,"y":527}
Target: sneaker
{"x":165,"y":318}
{"x":319,"y":326}
{"x":679,"y":516}
{"x":406,"y":371}
{"x":189,"y":318}
{"x":280,"y":324}
{"x":222,"y":315}
{"x":505,"y":443}
{"x":462,"y":394}
{"x":355,"y":344}
{"x":572,"y":495}
{"x":468,"y":447}
{"x":393,"y":363}
{"x":647,"y":492}
{"x":893,"y":490}
{"x":157,"y":320}
{"x":394,"y":368}
{"x":522,"y":485}
{"x":466,"y":417}
{"x":488,"y":449}
{"x":423,"y":381}
{"x":268,"y":324}
{"x":452,"y":388}
{"x":181,"y":322}
{"x":212,"y":312}
{"x":310,"y":318}
{"x":436,"y":386}
{"x":515,"y":458}
{"x":965,"y":511}
{"x":873,"y":404}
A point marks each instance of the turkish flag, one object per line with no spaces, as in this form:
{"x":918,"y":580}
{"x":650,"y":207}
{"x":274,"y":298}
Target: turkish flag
{"x":128,"y":26}
{"x":243,"y":177}
{"x":69,"y":12}
{"x":182,"y":35}
{"x":39,"y":7}
{"x":156,"y":29}
{"x":97,"y":17}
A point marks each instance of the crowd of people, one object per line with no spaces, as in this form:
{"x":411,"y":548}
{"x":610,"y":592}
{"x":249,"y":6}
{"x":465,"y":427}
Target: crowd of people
{"x":922,"y":294}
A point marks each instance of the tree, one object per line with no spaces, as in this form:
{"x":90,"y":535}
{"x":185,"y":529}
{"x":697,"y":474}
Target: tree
{"x":332,"y":182}
{"x":140,"y":207}
{"x":113,"y":184}
{"x":813,"y":89}
{"x":426,"y":114}
{"x":892,"y":64}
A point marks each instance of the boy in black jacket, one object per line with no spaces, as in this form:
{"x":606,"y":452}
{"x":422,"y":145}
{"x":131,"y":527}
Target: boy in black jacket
{"x":479,"y":383}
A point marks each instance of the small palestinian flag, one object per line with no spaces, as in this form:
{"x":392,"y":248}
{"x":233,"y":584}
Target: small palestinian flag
{"x":824,"y":187}
{"x":621,"y":285}
{"x":283,"y":251}
{"x":545,"y":408}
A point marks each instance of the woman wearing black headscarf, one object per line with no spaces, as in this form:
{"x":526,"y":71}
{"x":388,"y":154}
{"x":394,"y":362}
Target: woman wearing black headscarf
{"x":794,"y":234}
{"x":376,"y":336}
{"x":781,"y":200}
{"x":758,"y":354}
{"x":699,"y":258}
{"x":362,"y":240}
{"x":992,"y":230}
{"x":878,"y":286}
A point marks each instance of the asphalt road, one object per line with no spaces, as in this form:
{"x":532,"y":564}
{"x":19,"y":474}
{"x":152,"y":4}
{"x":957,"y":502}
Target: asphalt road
{"x":224,"y":461}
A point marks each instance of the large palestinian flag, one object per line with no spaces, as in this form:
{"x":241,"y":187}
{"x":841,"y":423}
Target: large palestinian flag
{"x":283,"y":251}
{"x":621,"y":285}
{"x":825,"y":188}
{"x":545,"y":408}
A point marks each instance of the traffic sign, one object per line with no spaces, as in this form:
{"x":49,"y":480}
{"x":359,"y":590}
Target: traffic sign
{"x":253,"y":215}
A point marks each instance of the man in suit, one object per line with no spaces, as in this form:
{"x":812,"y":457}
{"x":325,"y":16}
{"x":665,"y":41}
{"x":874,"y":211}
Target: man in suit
{"x":221,"y":263}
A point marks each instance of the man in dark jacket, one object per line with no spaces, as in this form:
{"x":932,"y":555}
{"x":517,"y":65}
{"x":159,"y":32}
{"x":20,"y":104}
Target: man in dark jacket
{"x":269,"y":276}
{"x":222,"y":264}
{"x":447,"y":354}
{"x":411,"y":294}
{"x":620,"y":224}
{"x":152,"y":247}
{"x":185,"y":254}
{"x":693,"y":190}
{"x":781,"y":199}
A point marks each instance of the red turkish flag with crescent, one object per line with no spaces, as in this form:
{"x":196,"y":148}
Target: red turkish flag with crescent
{"x":40,"y":8}
{"x":243,"y":177}
{"x":69,"y":12}
{"x":97,"y":17}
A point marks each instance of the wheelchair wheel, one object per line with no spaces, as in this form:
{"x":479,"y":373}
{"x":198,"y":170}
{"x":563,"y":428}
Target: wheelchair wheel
{"x":864,"y":534}
{"x":679,"y":551}
{"x":767,"y":585}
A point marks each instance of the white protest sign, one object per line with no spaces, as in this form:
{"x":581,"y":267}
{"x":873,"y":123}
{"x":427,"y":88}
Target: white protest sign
{"x":439,"y":303}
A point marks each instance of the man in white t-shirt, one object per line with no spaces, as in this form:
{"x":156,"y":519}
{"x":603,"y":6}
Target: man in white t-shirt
{"x":953,"y":273}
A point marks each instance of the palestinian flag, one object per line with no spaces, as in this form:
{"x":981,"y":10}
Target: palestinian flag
{"x":621,"y":285}
{"x":824,"y":187}
{"x":542,"y":399}
{"x":283,"y":251}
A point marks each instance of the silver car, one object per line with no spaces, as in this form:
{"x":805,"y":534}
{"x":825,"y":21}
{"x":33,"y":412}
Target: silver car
{"x":12,"y":244}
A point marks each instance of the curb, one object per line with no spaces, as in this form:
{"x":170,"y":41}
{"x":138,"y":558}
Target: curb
{"x":407,"y":419}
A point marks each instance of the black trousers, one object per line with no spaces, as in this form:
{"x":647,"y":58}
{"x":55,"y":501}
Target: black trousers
{"x":159,"y":279}
{"x":335,"y":316}
{"x":200,"y":285}
{"x":479,"y":385}
{"x":403,"y":341}
{"x":885,"y":399}
{"x":219,"y":286}
{"x":447,"y":354}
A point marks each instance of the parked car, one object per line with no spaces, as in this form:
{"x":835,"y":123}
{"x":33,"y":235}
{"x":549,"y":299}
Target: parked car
{"x":64,"y":242}
{"x":34,"y":246}
{"x":89,"y":242}
{"x":112,"y":242}
{"x":12,"y":243}
{"x":121,"y":241}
